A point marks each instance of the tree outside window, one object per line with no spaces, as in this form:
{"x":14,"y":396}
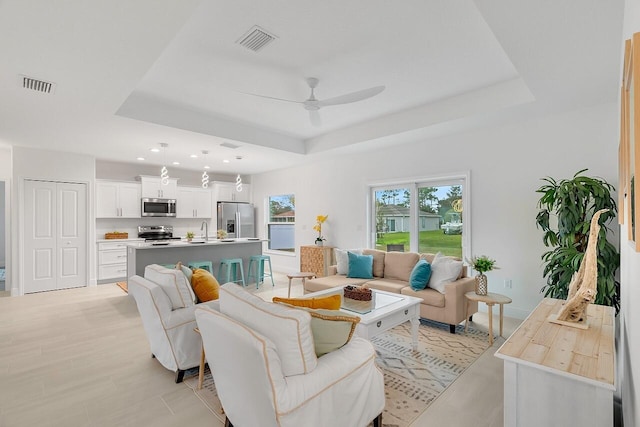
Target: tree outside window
{"x":281,"y":223}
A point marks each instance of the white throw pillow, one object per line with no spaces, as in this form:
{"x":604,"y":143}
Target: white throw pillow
{"x":342,"y":259}
{"x":444,"y":270}
{"x":173,"y":282}
{"x":288,"y":328}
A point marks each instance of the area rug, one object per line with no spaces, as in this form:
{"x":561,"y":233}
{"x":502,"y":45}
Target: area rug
{"x":123,"y":286}
{"x":413,"y":379}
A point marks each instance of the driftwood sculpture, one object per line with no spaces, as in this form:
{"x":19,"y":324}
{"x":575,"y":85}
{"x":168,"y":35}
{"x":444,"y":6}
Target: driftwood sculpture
{"x":584,"y":283}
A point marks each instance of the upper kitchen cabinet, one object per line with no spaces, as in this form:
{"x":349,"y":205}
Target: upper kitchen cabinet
{"x":227,"y":192}
{"x":117,"y":199}
{"x":152,"y":188}
{"x":193,"y":202}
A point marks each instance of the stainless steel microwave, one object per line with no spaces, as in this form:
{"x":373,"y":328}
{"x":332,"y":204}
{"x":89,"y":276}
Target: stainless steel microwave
{"x":158,"y":207}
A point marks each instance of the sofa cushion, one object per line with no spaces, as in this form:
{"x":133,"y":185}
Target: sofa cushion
{"x":360,"y":266}
{"x":331,"y":329}
{"x":322,"y":283}
{"x":389,"y":285}
{"x":173,"y":283}
{"x":444,"y":269}
{"x":399,"y":265}
{"x":331,"y":302}
{"x":204,"y":285}
{"x":420,"y":275}
{"x":429,"y":296}
{"x":342,"y":259}
{"x":429,"y":258}
{"x":287,"y":327}
{"x":378,"y":261}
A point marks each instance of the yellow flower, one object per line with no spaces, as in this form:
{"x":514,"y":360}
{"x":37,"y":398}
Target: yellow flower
{"x":318,"y":227}
{"x":322,"y":218}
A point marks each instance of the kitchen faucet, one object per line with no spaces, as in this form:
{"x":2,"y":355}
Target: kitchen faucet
{"x":206,"y":230}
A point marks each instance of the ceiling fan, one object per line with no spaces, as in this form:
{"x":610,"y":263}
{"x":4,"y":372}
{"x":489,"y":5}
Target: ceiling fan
{"x":312,"y":104}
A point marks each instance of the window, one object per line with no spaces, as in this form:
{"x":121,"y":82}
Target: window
{"x":282,"y":223}
{"x":424,"y":216}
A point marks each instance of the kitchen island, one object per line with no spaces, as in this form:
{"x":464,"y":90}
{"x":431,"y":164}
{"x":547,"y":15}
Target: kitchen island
{"x":141,"y":254}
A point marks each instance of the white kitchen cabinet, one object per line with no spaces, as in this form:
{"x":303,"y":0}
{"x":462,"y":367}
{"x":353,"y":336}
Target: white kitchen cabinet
{"x":153,"y":188}
{"x":193,"y":202}
{"x":117,"y":199}
{"x":112,"y":260}
{"x":226,"y":192}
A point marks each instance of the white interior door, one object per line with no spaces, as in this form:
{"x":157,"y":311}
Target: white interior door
{"x":55,"y":252}
{"x":71,"y":229}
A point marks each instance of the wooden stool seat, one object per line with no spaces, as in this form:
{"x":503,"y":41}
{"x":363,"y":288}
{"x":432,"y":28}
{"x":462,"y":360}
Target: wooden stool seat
{"x":299,"y":275}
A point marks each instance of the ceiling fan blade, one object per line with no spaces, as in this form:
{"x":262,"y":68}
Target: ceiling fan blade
{"x":314,"y":117}
{"x":272,"y":97}
{"x":352,"y":97}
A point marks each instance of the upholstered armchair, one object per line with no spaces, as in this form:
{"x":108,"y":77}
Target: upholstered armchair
{"x":166,"y":304}
{"x":267,"y":373}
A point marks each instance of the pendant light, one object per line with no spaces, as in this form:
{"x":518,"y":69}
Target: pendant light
{"x":205,"y":176}
{"x":164,"y":173}
{"x":238,"y":183}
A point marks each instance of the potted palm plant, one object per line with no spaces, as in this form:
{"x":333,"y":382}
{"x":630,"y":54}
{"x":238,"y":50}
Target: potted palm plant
{"x":482,"y":264}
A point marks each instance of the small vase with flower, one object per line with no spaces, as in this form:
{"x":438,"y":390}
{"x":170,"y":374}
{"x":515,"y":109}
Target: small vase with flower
{"x":320,"y":219}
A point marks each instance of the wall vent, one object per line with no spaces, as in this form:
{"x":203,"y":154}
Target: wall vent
{"x":37,"y":85}
{"x":256,"y":38}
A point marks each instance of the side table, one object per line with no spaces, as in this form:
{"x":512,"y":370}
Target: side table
{"x":299,"y":275}
{"x":490,"y":299}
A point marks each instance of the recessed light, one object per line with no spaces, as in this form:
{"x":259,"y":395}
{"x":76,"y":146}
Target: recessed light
{"x":225,"y":161}
{"x":140,"y":158}
{"x":176,"y":163}
{"x":194,"y":156}
{"x":155,"y":150}
{"x":207,"y":167}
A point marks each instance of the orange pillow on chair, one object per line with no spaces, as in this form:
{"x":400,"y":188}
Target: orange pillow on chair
{"x":331,"y":302}
{"x":204,"y":285}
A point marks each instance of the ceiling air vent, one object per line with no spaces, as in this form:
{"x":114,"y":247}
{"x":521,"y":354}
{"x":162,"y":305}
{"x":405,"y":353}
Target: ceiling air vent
{"x":229,"y":145}
{"x":256,"y":38}
{"x":37,"y":85}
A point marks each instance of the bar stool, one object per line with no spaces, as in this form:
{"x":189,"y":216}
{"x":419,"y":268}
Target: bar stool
{"x":205,"y":265}
{"x":231,"y":264}
{"x":259,"y":275}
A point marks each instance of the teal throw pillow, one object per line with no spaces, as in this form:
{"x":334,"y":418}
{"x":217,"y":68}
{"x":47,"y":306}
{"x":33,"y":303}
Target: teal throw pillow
{"x":360,"y":266}
{"x":420,"y":275}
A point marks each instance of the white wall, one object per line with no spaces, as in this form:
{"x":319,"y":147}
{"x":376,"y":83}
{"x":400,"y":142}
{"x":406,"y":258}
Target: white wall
{"x":506,"y":164}
{"x":30,"y":163}
{"x":629,"y":346}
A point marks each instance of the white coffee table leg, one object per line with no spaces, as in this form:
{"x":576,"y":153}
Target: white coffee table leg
{"x":415,"y":322}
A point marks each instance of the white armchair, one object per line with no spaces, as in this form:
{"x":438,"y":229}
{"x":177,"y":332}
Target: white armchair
{"x":169,"y":330}
{"x":343,"y":388}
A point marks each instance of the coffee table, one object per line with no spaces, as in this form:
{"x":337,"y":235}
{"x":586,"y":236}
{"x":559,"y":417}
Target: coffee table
{"x":385,"y":311}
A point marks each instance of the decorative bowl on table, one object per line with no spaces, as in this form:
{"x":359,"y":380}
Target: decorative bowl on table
{"x":359,"y":293}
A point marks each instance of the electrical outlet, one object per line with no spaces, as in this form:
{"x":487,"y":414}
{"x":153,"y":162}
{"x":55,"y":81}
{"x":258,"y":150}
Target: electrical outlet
{"x":507,"y":283}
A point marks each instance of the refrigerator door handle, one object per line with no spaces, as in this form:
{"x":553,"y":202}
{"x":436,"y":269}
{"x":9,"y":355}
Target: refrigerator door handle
{"x":238,"y":225}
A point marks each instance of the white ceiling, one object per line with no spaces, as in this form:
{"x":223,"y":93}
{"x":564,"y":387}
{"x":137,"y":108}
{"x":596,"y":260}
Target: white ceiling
{"x":133,"y":74}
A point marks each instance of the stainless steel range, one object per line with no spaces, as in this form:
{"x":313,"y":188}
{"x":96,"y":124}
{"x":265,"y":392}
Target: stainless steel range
{"x":156,"y":234}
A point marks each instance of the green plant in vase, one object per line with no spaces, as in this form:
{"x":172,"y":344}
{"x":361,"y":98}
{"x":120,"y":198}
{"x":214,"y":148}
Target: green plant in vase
{"x":190,"y":235}
{"x":482,"y":264}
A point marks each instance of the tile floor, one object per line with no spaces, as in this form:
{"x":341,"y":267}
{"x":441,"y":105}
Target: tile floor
{"x":79,"y":357}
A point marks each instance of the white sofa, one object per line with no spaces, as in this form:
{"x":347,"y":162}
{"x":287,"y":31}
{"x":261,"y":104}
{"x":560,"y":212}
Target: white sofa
{"x":267,"y":373}
{"x":169,"y":327}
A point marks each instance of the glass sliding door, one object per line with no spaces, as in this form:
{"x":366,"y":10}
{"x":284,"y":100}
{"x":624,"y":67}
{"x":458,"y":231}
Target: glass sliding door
{"x":392,"y":218}
{"x":423,"y":216}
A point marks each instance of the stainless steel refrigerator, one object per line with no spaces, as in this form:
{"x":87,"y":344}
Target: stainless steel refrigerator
{"x":237,"y":219}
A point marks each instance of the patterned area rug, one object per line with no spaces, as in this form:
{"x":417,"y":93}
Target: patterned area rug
{"x":413,"y":379}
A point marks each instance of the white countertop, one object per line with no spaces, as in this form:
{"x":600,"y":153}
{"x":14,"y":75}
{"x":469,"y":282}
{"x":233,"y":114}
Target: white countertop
{"x":195,"y":242}
{"x":135,"y":239}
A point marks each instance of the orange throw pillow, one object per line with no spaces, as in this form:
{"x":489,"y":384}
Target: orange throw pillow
{"x":332,"y":302}
{"x":205,"y":286}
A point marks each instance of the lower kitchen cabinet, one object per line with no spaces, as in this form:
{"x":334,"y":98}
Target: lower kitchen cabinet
{"x":112,"y":260}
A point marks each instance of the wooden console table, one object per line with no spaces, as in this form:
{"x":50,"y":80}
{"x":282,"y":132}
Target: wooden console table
{"x":316,"y":259}
{"x":556,"y":375}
